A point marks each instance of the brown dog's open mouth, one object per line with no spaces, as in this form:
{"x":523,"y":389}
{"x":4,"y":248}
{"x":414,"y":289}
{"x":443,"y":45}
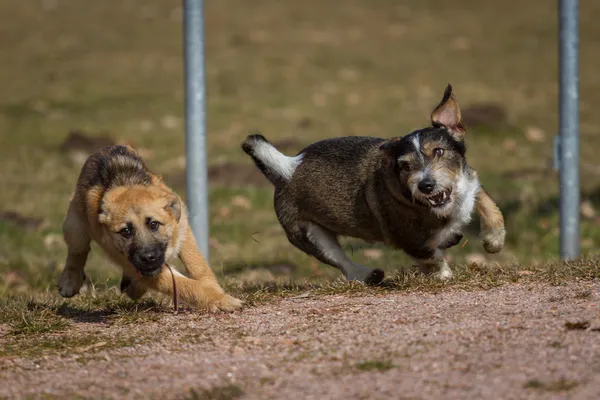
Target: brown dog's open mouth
{"x":439,"y":199}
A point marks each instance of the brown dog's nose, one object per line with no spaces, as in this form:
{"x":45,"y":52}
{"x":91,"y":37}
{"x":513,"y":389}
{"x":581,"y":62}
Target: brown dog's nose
{"x":426,"y":185}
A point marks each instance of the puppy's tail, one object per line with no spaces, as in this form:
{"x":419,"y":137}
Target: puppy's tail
{"x":276,"y":166}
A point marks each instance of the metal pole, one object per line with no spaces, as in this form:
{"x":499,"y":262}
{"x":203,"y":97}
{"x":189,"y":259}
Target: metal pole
{"x":569,"y":130}
{"x":195,"y":122}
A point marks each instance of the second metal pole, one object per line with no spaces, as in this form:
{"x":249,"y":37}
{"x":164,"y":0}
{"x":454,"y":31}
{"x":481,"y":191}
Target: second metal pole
{"x":569,"y":130}
{"x":195,"y":122}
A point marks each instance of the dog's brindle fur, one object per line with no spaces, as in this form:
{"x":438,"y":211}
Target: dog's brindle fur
{"x":414,"y":193}
{"x":140,"y":224}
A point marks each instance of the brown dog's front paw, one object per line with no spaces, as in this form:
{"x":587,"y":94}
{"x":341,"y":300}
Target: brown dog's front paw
{"x":493,"y":241}
{"x":226,"y":303}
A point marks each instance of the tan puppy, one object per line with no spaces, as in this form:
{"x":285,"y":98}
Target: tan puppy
{"x":141,"y":225}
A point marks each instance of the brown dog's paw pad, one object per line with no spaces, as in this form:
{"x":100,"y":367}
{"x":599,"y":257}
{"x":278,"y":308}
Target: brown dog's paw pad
{"x":375,"y":278}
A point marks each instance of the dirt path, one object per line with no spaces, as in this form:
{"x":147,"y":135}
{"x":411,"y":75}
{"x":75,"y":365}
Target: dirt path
{"x":508,"y":343}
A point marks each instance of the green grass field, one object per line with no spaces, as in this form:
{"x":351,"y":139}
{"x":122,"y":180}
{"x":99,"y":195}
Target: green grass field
{"x":298,"y":72}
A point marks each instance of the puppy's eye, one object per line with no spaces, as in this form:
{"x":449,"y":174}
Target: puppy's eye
{"x":438,"y":152}
{"x":126,"y":232}
{"x":154,"y":225}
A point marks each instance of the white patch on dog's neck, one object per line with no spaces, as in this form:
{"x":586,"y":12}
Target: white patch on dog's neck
{"x":466,"y":190}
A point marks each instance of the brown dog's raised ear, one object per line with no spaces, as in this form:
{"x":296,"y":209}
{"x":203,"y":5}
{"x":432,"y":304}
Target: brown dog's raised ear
{"x":391,"y":149}
{"x":447,"y":114}
{"x":173,"y":207}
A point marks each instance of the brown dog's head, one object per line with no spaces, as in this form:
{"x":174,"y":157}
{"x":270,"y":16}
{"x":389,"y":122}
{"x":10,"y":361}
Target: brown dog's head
{"x":430,"y":163}
{"x":140,"y":222}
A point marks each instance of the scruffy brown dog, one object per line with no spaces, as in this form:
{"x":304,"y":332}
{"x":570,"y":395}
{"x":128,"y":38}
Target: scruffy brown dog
{"x":141,"y":225}
{"x":414,"y":193}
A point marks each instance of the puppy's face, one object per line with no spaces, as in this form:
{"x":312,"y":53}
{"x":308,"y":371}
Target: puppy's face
{"x":429,"y":163}
{"x":139,"y":222}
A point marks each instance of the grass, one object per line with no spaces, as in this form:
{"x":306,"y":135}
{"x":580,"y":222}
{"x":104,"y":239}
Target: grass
{"x":466,"y":278}
{"x":560,"y":385}
{"x":375,"y":365}
{"x":225,"y":392}
{"x":43,"y":324}
{"x":36,"y":324}
{"x":80,"y":346}
{"x":40,"y":323}
{"x":299,"y":72}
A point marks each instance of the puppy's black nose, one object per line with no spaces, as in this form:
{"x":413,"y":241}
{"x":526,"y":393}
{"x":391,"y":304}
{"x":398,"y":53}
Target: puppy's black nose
{"x":426,"y":185}
{"x":149,"y":257}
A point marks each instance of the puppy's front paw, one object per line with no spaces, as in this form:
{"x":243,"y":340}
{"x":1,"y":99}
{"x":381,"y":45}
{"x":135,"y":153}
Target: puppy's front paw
{"x":226,"y":303}
{"x":493,"y":241}
{"x":70,"y":282}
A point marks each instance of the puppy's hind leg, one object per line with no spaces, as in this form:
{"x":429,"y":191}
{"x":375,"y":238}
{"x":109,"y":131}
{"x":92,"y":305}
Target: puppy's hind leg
{"x":323,"y":244}
{"x":78,"y":244}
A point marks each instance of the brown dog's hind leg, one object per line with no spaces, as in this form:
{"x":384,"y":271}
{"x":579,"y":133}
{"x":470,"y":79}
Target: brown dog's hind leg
{"x":323,"y":244}
{"x":492,"y":223}
{"x":78,"y":244}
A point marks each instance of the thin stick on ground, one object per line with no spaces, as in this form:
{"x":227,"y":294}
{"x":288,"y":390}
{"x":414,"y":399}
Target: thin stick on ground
{"x":175,"y":304}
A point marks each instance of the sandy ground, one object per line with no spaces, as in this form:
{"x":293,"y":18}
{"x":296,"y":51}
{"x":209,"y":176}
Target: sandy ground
{"x":510,"y":343}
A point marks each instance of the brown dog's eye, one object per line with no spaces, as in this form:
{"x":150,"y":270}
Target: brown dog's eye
{"x":438,"y":152}
{"x":126,"y":232}
{"x":154,"y":225}
{"x":404,"y":166}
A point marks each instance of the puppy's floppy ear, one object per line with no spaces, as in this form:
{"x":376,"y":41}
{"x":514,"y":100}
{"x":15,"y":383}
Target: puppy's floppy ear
{"x":447,"y":115}
{"x":173,"y":207}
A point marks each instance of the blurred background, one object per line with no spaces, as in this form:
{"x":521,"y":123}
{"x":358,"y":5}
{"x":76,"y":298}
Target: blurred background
{"x":76,"y":76}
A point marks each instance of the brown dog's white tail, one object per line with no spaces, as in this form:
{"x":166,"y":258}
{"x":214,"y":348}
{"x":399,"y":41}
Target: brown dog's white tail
{"x":276,"y":166}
